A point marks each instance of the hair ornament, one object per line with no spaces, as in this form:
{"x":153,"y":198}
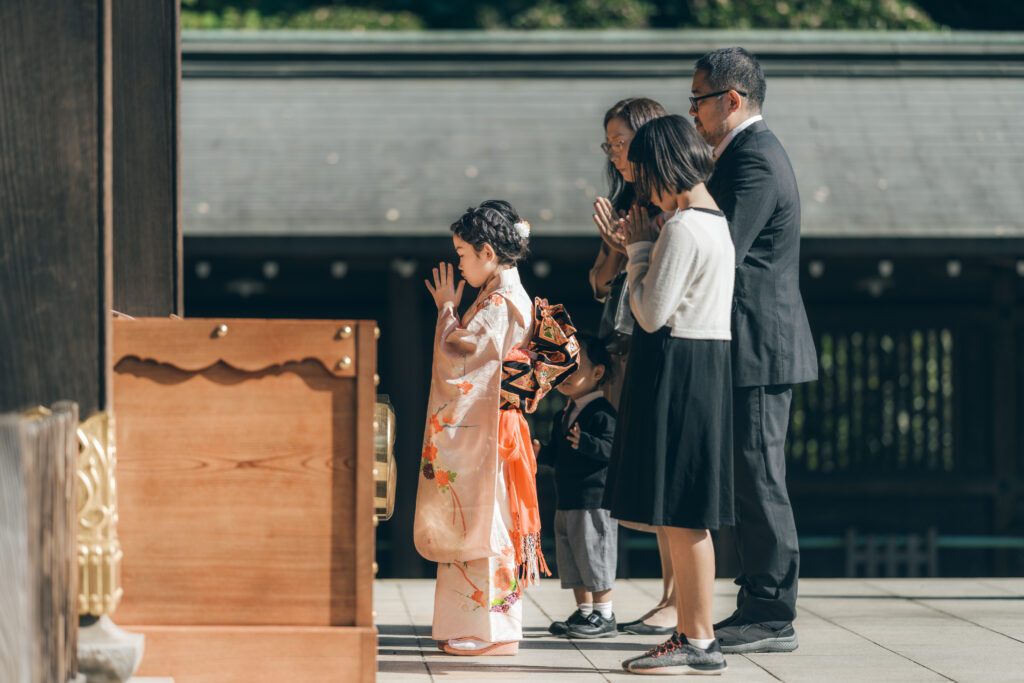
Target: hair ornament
{"x":523,"y":228}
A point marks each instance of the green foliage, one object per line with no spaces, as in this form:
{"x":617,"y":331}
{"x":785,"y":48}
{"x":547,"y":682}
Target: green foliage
{"x":318,"y":18}
{"x":372,"y":15}
{"x":827,"y":14}
{"x":585,"y":14}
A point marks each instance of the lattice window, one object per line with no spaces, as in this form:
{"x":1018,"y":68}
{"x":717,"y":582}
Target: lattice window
{"x":884,"y":402}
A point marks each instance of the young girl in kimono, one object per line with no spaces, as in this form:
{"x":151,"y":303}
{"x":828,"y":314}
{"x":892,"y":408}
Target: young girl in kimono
{"x":476,"y":506}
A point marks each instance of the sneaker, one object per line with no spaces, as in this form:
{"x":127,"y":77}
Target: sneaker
{"x":559,"y":628}
{"x":596,"y":626}
{"x":676,"y":656}
{"x":749,"y":638}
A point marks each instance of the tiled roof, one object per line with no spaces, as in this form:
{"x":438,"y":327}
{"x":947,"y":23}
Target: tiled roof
{"x":895,"y":156}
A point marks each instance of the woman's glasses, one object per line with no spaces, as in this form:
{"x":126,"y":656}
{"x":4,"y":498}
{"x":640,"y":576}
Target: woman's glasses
{"x":616,"y":146}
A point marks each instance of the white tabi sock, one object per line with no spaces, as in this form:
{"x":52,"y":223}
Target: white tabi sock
{"x":468,"y":644}
{"x":585,"y":608}
{"x":605,"y":608}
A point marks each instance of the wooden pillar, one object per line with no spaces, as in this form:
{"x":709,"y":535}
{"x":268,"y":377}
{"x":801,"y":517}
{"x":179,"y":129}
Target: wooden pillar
{"x":147,"y":218}
{"x":1004,"y":408}
{"x":55,"y":261}
{"x":408,"y":365}
{"x":55,"y":203}
{"x":38,"y":525}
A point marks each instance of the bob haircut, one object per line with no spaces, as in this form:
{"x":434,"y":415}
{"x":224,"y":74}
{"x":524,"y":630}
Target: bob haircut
{"x":634,"y":112}
{"x":669,"y":156}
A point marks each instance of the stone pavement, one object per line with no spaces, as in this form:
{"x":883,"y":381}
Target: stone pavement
{"x":849,"y":630}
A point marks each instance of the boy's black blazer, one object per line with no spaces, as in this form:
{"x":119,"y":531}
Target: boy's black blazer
{"x":754,"y":185}
{"x":580,"y":474}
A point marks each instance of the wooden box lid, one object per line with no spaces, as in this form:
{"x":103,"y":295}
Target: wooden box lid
{"x":245,"y":344}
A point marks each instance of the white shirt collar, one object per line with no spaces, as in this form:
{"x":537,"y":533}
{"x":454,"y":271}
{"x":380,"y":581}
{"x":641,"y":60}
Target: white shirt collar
{"x":582,"y":402}
{"x":733,"y":133}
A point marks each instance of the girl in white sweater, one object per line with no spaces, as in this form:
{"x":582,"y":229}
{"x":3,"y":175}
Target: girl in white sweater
{"x":671,"y":462}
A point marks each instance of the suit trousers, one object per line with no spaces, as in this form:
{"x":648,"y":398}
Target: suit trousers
{"x":765,"y":533}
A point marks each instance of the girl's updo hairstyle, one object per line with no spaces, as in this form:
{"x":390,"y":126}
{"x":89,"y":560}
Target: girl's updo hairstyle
{"x":496,"y":223}
{"x":669,"y":156}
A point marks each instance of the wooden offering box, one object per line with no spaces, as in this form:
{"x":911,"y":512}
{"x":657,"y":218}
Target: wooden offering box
{"x":245,"y":472}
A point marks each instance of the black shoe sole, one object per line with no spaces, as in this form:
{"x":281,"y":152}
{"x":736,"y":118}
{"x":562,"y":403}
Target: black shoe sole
{"x":589,"y":636}
{"x":689,"y":670}
{"x":642,"y":629}
{"x":784,"y":644}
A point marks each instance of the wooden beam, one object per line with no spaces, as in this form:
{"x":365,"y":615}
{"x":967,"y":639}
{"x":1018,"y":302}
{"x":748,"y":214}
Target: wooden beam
{"x":147,"y":216}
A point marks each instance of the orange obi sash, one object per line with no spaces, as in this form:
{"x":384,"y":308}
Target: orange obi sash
{"x":516,"y":449}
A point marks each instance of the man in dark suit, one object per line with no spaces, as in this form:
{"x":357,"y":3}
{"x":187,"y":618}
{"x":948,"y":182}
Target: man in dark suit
{"x":772,"y":347}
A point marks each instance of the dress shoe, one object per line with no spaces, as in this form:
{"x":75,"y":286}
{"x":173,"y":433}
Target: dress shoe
{"x":559,"y":628}
{"x":596,"y":627}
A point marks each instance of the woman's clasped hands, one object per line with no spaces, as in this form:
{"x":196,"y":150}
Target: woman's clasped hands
{"x":609,"y":224}
{"x":637,"y":226}
{"x":444,"y":289}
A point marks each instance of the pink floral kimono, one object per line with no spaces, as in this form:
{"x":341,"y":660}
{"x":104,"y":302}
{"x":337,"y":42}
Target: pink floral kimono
{"x":467,"y":518}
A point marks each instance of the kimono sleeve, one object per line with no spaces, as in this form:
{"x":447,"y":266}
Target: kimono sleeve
{"x":481,"y":331}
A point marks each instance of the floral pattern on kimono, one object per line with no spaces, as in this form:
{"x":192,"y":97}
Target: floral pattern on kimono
{"x":462,"y":507}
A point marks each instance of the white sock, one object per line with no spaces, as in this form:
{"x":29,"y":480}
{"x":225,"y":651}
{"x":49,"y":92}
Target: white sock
{"x":585,"y":608}
{"x":702,"y":643}
{"x":605,"y":608}
{"x":468,"y":644}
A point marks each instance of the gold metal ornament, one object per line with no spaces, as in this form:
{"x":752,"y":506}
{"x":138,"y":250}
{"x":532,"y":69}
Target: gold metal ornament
{"x":385,"y":470}
{"x":99,"y":551}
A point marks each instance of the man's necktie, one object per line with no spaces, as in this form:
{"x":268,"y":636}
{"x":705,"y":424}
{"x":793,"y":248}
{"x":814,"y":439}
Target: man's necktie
{"x":565,"y":415}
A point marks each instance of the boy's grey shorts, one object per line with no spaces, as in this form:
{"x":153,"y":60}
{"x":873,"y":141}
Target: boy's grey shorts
{"x":586,"y":547}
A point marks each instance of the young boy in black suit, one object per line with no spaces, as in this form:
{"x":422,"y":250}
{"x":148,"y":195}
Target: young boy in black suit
{"x":585,"y":534}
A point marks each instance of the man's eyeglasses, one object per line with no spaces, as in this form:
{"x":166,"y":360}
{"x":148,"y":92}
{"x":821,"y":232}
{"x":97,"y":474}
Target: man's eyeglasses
{"x":695,"y":100}
{"x":617,"y":146}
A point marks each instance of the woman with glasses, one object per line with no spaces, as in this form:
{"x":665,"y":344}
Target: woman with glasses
{"x":607,"y":279}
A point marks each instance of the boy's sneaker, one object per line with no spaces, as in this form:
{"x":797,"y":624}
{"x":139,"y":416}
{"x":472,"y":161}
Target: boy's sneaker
{"x":595,"y":626}
{"x":559,"y":628}
{"x":751,"y":638}
{"x":676,"y":656}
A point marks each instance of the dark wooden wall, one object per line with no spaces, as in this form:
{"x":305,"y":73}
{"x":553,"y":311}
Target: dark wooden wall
{"x":908,"y":359}
{"x":147,"y":225}
{"x":55,"y":211}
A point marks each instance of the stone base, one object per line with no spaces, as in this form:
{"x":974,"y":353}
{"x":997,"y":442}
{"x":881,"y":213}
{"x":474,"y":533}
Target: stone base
{"x":107,"y":654}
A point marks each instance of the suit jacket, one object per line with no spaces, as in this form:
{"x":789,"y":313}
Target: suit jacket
{"x":580,"y":473}
{"x":754,"y":185}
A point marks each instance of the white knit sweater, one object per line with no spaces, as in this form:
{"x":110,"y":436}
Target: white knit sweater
{"x":684,"y":279}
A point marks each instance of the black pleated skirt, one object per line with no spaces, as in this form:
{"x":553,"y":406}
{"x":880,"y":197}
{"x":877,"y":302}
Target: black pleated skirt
{"x":671,"y":462}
